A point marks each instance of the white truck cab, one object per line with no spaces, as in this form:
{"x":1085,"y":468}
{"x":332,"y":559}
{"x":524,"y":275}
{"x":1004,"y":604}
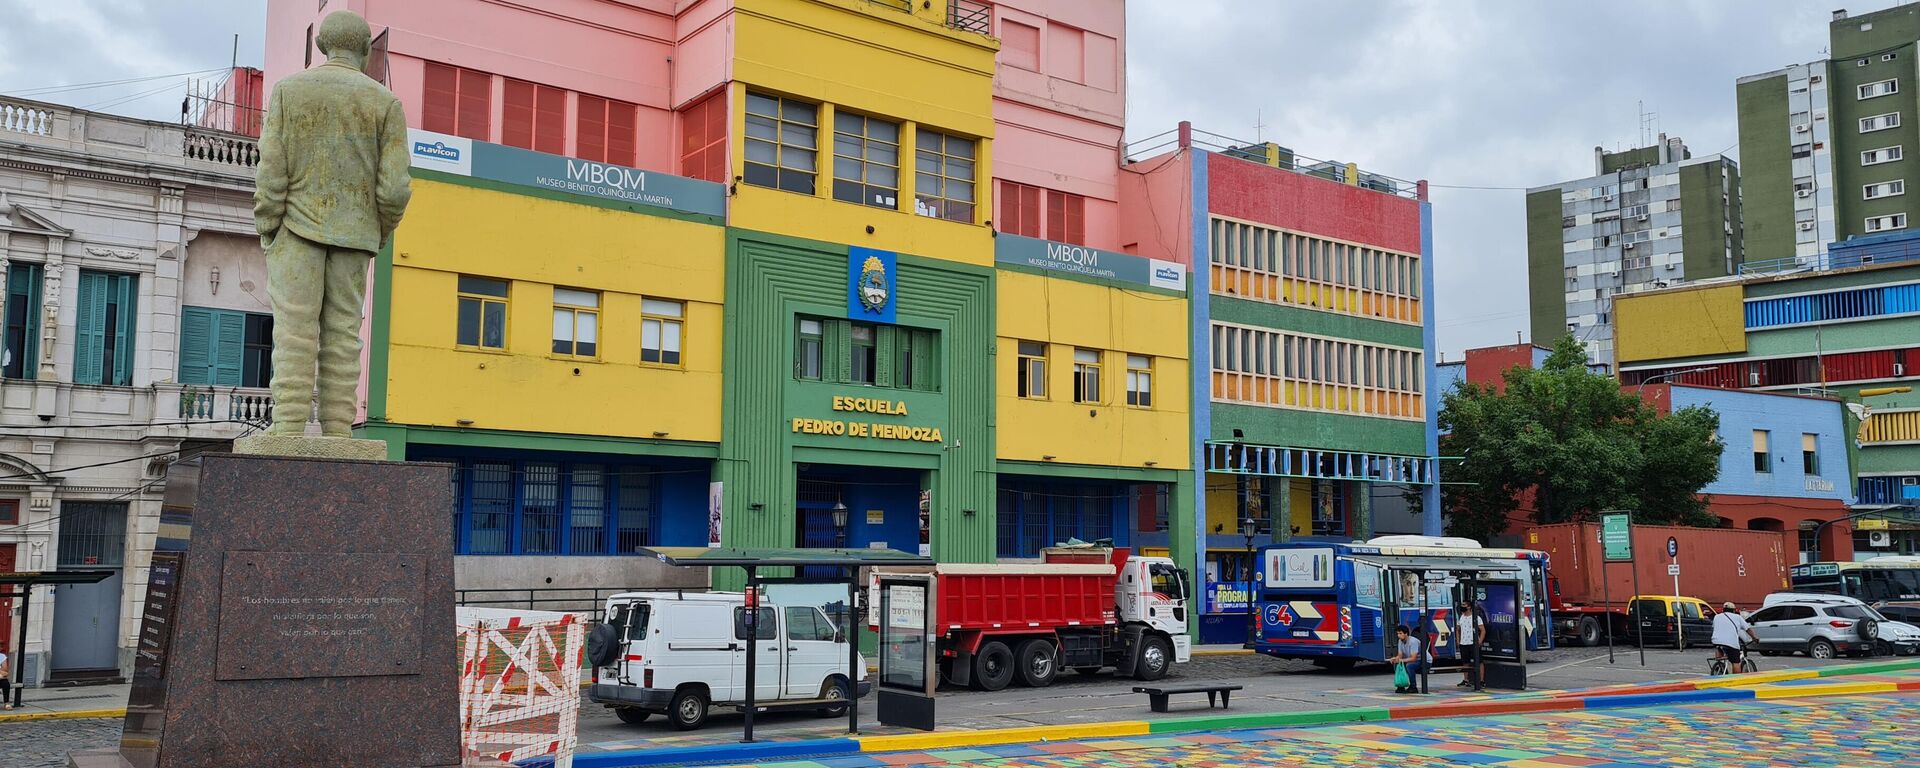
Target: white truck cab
{"x":678,"y":654}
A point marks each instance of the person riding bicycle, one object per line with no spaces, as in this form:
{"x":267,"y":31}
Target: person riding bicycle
{"x":1730,"y":632}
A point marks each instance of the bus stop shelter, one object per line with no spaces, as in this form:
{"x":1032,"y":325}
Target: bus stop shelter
{"x":1506,"y":645}
{"x":752,"y":559}
{"x":20,"y":585}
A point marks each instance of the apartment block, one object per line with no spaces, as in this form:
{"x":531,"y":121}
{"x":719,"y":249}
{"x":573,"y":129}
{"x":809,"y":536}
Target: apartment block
{"x":1649,"y":217}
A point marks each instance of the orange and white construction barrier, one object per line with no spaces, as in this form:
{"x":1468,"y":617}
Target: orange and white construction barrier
{"x":520,"y":684}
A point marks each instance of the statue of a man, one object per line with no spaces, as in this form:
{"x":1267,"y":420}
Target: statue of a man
{"x":333,"y":183}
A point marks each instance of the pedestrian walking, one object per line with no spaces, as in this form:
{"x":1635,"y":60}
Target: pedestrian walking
{"x":1473,"y":639}
{"x":6,"y":679}
{"x":1409,"y":662}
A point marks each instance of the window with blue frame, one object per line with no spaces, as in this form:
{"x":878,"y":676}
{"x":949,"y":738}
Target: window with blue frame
{"x":104,"y":329}
{"x":552,"y":508}
{"x":1032,"y":516}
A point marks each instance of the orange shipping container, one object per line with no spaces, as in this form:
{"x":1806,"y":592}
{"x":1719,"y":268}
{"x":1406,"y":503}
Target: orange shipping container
{"x":1716,"y":564}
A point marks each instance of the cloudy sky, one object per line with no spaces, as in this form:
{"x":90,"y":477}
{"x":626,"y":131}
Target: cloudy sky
{"x":1494,"y":94}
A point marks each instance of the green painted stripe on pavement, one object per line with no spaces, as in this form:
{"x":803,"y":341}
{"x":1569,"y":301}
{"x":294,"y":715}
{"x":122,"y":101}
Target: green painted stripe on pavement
{"x":1269,"y":720}
{"x":1870,"y":668}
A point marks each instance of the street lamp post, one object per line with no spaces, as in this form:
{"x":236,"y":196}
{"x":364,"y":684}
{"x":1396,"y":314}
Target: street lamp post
{"x":1671,"y":374}
{"x":1249,"y":525}
{"x":840,"y":522}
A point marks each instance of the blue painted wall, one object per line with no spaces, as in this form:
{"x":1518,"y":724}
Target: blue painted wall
{"x":1786,"y":418}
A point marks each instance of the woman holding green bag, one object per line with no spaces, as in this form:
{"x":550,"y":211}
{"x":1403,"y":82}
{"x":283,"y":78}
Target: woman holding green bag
{"x":1408,"y":662}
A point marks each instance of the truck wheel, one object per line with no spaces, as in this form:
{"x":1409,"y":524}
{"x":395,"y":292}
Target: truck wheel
{"x":993,"y":667}
{"x":1039,"y":663}
{"x":631,"y":715}
{"x":688,"y":710}
{"x":1590,"y":634}
{"x":834,"y":689}
{"x":1156,"y":656}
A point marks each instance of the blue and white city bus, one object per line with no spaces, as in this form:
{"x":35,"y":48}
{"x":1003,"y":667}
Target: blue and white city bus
{"x":1328,"y":601}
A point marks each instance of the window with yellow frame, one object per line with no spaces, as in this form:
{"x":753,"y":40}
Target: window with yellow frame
{"x":1086,"y":375}
{"x":481,"y":321}
{"x":1030,"y":379}
{"x":1140,"y":381}
{"x":576,"y":322}
{"x":662,"y":323}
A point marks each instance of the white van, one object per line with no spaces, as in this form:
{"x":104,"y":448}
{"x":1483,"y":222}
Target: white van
{"x":677,"y":654}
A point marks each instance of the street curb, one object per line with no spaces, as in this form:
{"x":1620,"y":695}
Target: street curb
{"x":1737,"y":688}
{"x":718,"y":753}
{"x":74,"y":714}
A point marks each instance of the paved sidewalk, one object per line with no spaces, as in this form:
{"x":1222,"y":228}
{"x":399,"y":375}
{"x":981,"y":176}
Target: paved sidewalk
{"x":70,"y":703}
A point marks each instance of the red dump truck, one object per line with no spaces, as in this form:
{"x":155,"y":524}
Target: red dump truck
{"x":1716,"y":565}
{"x":1080,"y":608}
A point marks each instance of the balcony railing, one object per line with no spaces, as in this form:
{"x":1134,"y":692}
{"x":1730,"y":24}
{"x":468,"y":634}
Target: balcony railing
{"x":25,"y":118}
{"x":249,"y":405}
{"x":219,"y":147}
{"x":1267,"y":153}
{"x":970,"y":16}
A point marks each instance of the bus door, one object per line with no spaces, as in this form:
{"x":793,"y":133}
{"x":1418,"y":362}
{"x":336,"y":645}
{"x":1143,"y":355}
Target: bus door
{"x":1372,"y":633}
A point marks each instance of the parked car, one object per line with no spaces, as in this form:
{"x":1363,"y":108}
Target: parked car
{"x":1823,"y":629}
{"x":674,"y":654}
{"x":1669,"y":620}
{"x":1896,"y":635}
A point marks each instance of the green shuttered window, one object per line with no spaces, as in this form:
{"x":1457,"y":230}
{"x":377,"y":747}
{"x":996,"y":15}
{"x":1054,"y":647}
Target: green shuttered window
{"x":845,"y":352}
{"x":23,"y":322}
{"x":104,"y":329}
{"x":225,"y":348}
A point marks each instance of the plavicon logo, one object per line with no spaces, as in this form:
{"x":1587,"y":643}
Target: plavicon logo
{"x":616,"y":177}
{"x":437,"y":150}
{"x":1166,"y":273}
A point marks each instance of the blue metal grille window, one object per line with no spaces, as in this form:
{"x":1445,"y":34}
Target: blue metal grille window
{"x":634,"y":513}
{"x":552,"y":508}
{"x":1031,"y":517}
{"x":540,"y":509}
{"x":587,"y":508}
{"x":491,"y":509}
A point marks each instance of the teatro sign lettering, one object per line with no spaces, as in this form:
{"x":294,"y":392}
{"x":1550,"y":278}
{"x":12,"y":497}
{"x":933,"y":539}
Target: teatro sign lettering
{"x":873,"y":430}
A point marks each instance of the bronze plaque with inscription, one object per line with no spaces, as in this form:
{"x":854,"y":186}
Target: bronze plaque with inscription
{"x":290,"y":615}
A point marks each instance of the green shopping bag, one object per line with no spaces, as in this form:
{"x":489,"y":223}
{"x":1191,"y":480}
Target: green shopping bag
{"x":1400,"y":678}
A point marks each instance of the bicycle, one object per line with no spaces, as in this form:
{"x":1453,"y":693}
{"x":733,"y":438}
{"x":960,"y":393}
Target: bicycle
{"x":1719,"y":665}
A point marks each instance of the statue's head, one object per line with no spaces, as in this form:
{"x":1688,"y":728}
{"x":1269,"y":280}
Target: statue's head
{"x":345,"y":35}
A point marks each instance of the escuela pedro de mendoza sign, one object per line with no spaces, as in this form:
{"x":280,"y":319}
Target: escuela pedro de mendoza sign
{"x":871,"y":430}
{"x":524,"y":167}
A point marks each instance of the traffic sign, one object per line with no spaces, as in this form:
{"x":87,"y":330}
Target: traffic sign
{"x":1616,"y":536}
{"x":1673,"y":547}
{"x":1673,"y":569}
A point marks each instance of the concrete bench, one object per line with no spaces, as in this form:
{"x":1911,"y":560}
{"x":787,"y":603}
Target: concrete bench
{"x":1157,"y":696}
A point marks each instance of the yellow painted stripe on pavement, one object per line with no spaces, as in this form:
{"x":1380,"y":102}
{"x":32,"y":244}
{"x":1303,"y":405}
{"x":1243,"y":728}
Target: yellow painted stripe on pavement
{"x":1001,"y":736}
{"x":1835,"y":689}
{"x":1757,"y":678}
{"x":71,"y":714}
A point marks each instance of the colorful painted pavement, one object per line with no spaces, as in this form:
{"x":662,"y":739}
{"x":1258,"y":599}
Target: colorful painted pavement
{"x":1863,"y":730}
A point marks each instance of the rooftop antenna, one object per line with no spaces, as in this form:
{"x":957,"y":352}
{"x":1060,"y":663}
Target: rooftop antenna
{"x":1260,"y":126}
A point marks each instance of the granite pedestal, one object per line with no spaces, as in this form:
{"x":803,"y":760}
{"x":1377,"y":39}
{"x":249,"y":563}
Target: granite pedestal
{"x":299,"y":613}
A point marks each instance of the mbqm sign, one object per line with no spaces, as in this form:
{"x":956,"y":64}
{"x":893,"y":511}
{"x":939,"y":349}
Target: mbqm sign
{"x":871,"y":286}
{"x":512,"y":165}
{"x":1070,"y":259}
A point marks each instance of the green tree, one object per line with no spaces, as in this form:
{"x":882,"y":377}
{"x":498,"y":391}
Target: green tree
{"x":1576,"y":444}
